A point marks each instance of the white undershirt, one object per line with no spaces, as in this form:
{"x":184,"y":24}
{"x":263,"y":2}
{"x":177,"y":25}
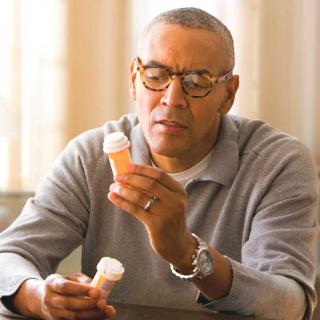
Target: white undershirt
{"x":194,"y":172}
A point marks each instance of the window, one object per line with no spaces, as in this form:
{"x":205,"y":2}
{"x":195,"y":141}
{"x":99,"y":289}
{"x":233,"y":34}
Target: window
{"x":55,"y":69}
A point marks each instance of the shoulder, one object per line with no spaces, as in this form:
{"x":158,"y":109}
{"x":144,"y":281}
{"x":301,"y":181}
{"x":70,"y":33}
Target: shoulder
{"x":84,"y":153}
{"x":83,"y":156}
{"x":273,"y":152}
{"x":259,"y":137}
{"x":91,"y":141}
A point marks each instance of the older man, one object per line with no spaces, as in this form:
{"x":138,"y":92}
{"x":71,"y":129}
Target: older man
{"x":216,"y":210}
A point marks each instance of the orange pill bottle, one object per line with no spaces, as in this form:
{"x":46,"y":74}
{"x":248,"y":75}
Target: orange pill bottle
{"x":116,"y":145}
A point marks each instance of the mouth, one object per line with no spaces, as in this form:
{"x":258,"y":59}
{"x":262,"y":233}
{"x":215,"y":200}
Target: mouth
{"x":171,"y":123}
{"x":171,"y":127}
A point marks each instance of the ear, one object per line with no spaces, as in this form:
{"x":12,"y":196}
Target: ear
{"x":230,"y":93}
{"x":133,"y":76}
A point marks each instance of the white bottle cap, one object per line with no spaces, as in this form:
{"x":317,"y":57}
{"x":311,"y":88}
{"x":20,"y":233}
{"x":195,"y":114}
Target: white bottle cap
{"x":115,"y":142}
{"x":111,"y":268}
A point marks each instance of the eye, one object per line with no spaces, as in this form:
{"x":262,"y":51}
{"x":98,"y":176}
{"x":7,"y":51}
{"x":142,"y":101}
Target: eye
{"x":197,"y":81}
{"x":155,"y":74}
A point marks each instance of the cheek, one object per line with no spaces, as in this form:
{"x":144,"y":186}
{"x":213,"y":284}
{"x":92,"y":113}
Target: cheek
{"x":146,"y":102}
{"x":206,"y":119}
{"x":213,"y":104}
{"x":144,"y":106}
{"x":205,"y":114}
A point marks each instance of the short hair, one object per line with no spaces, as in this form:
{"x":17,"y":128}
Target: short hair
{"x":196,"y":18}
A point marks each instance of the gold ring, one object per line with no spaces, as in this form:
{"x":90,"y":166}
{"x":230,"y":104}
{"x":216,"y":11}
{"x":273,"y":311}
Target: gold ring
{"x":150,"y":203}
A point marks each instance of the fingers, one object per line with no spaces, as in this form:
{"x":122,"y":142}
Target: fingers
{"x":144,"y":182}
{"x":130,"y":207}
{"x":145,"y":185}
{"x":106,"y":313}
{"x":133,"y":191}
{"x":85,"y":315}
{"x":153,"y":174}
{"x":72,"y":303}
{"x":63,"y":298}
{"x":62,"y":285}
{"x":79,"y":277}
{"x":137,"y":198}
{"x":110,"y":311}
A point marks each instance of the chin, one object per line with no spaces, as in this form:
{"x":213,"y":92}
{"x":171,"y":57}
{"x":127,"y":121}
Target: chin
{"x":167,"y":145}
{"x":167,"y":149}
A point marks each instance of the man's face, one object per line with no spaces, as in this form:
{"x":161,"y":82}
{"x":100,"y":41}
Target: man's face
{"x":176,"y":125}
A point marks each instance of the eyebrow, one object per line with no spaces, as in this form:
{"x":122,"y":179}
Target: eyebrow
{"x":156,"y":63}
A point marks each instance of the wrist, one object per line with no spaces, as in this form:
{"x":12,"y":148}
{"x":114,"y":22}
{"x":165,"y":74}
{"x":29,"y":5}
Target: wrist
{"x":202,"y":263}
{"x":27,"y":301}
{"x":184,"y":263}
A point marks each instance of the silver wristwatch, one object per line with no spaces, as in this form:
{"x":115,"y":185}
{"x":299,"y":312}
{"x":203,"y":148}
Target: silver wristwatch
{"x":202,"y":261}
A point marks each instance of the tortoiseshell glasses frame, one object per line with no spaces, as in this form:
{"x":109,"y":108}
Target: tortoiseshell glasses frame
{"x":196,"y":84}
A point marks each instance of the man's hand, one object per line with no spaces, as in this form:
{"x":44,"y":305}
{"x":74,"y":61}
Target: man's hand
{"x":59,"y":297}
{"x":165,"y":222}
{"x":166,"y":219}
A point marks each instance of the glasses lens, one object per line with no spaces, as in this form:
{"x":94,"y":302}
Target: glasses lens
{"x":196,"y":85}
{"x":156,"y":78}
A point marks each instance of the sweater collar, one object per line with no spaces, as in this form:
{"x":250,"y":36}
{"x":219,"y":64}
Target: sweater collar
{"x":224,"y":160}
{"x":140,"y":152}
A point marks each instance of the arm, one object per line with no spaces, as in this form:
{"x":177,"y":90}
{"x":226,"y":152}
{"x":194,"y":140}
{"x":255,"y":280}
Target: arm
{"x":267,"y":275}
{"x":50,"y":226}
{"x":165,"y":223}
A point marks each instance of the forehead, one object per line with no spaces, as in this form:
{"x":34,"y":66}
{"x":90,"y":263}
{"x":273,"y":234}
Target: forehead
{"x":182,"y":48}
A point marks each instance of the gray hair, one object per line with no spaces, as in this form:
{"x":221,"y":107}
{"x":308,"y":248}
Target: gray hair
{"x":196,"y":18}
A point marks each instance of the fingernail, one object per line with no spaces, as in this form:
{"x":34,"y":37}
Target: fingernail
{"x":110,"y":310}
{"x":115,"y":188}
{"x":120,"y":177}
{"x":101,"y":303}
{"x":94,"y":293}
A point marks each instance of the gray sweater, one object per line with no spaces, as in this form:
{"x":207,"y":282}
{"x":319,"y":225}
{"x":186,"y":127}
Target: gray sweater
{"x":256,"y":204}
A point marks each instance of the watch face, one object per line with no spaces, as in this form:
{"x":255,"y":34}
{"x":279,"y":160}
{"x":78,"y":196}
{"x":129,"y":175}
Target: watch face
{"x":205,"y":262}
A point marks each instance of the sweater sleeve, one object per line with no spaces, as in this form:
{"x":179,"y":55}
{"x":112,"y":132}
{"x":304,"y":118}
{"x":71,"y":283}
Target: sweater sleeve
{"x":51,"y":225}
{"x":276,"y":275}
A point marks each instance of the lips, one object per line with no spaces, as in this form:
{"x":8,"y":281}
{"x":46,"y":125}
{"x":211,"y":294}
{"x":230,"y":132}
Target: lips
{"x":173,"y":123}
{"x":170,"y":127}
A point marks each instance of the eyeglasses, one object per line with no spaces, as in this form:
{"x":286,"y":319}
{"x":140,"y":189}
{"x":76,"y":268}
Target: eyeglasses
{"x":196,"y":84}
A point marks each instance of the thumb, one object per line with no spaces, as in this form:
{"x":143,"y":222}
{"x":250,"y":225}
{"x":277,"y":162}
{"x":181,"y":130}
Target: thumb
{"x":79,"y":277}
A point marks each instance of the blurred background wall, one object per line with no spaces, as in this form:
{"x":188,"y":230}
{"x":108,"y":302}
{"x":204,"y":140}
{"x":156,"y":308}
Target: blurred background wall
{"x":65,"y":69}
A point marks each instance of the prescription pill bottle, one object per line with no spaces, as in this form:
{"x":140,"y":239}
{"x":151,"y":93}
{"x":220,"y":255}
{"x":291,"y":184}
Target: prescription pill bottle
{"x":109,"y":271}
{"x":116,"y":145}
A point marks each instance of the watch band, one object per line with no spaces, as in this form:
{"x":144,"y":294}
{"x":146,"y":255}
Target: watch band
{"x":196,"y":273}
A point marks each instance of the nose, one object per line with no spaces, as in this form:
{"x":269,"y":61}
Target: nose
{"x":174,"y":96}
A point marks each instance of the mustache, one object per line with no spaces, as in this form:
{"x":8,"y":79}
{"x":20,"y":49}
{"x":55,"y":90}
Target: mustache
{"x":170,"y":114}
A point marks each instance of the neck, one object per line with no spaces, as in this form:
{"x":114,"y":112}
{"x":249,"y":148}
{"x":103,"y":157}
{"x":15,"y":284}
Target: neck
{"x":174,"y":165}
